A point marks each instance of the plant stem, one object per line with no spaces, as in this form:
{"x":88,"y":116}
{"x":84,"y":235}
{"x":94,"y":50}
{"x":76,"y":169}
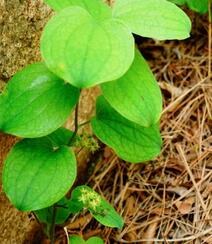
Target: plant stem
{"x":75,"y":125}
{"x":76,"y":119}
{"x":34,"y":215}
{"x":75,"y":122}
{"x":52,"y":228}
{"x":84,"y":123}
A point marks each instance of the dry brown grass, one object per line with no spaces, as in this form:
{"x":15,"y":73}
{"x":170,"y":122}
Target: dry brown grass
{"x":168,"y":200}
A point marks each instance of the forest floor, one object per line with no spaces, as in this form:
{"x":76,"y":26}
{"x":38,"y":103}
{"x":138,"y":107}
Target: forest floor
{"x":168,"y":200}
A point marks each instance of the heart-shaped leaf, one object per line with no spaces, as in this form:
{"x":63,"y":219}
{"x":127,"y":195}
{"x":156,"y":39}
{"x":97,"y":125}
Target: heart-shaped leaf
{"x":130,"y":141}
{"x":78,"y":240}
{"x":179,"y":2}
{"x":94,"y":240}
{"x":101,"y":210}
{"x":36,"y":175}
{"x":97,"y":8}
{"x":86,"y":52}
{"x":157,"y":19}
{"x":60,"y":137}
{"x":136,"y":95}
{"x":35,"y":102}
{"x":198,"y":6}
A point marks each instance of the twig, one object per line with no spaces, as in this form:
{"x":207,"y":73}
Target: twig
{"x":66,"y":233}
{"x":192,"y":188}
{"x":180,"y":150}
{"x":180,"y":98}
{"x":84,"y":123}
{"x":189,"y":238}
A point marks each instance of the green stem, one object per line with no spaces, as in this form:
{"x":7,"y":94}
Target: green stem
{"x":52,"y":228}
{"x":75,"y":125}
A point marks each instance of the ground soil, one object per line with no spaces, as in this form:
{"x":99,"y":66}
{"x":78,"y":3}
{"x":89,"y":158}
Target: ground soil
{"x":168,"y":199}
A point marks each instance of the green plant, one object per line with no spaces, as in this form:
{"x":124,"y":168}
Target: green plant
{"x":79,"y":240}
{"x":86,"y":43}
{"x":200,"y":6}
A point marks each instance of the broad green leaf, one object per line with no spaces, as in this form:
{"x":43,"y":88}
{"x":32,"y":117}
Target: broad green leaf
{"x":200,"y":6}
{"x":129,"y":140}
{"x":86,"y":52}
{"x":100,"y":209}
{"x":107,"y":216}
{"x":76,"y":240}
{"x":62,"y":213}
{"x":136,"y":95}
{"x":36,"y":175}
{"x":95,"y":240}
{"x":35,"y":102}
{"x":179,"y":2}
{"x":60,"y":137}
{"x":97,"y":8}
{"x":158,"y":19}
{"x":75,"y":206}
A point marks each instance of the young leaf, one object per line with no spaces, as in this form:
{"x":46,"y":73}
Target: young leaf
{"x":158,"y":19}
{"x":74,"y":205}
{"x":200,"y":6}
{"x":179,"y":2}
{"x":36,"y":175}
{"x":94,"y":240}
{"x":97,"y":8}
{"x":100,"y":209}
{"x":130,"y":141}
{"x":35,"y":102}
{"x":86,"y":52}
{"x":136,"y":95}
{"x":107,"y":216}
{"x":76,"y":240}
{"x":60,"y":137}
{"x":45,"y":215}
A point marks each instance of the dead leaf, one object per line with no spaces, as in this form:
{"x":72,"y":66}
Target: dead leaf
{"x":78,"y":223}
{"x":130,"y":206}
{"x":151,"y":231}
{"x":180,"y":190}
{"x":185,"y":207}
{"x":173,"y":90}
